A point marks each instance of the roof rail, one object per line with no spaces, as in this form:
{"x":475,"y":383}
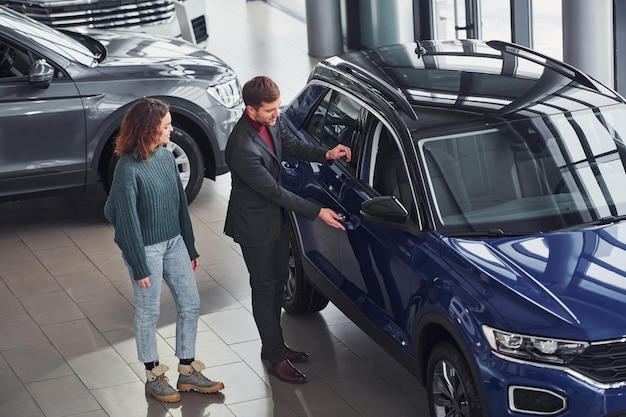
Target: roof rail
{"x":379,"y":84}
{"x":559,"y":66}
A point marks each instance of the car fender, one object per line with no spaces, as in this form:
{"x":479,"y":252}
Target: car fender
{"x":435,"y":325}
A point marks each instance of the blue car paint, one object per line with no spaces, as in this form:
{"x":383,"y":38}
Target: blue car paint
{"x":568,"y":284}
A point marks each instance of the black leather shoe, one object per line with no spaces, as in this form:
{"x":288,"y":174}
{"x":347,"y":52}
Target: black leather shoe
{"x":292,"y":355}
{"x":286,"y":372}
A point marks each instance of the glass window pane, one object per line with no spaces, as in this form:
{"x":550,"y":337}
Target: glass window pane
{"x":548,"y":28}
{"x":496,"y":20}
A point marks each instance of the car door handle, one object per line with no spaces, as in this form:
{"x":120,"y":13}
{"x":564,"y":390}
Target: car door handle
{"x":288,"y":165}
{"x":345,"y":222}
{"x":289,"y":168}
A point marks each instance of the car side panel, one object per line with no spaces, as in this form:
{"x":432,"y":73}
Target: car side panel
{"x":42,"y":137}
{"x":319,"y":241}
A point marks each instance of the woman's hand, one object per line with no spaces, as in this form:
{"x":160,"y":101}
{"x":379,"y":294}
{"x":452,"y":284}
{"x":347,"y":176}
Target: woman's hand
{"x":195,"y":264}
{"x":144,"y":282}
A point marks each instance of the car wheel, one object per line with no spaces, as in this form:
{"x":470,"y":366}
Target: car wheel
{"x":189,"y":163}
{"x":299,"y":297}
{"x":451,"y":389}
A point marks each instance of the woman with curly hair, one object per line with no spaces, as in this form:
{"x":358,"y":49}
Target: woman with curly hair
{"x":148,"y":210}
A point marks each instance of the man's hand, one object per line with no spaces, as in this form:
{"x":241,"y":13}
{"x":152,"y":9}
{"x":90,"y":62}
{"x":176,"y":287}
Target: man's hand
{"x":331,"y":218}
{"x":338,"y":152}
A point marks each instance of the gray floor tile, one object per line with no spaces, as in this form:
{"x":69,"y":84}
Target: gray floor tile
{"x":9,"y":304}
{"x":240,"y":382}
{"x":53,"y":307}
{"x":211,"y":350}
{"x":201,"y":405}
{"x":41,"y":235}
{"x":64,"y":396}
{"x":15,"y":254}
{"x":233,"y":275}
{"x":111,"y":265}
{"x":112,"y":313}
{"x":36,"y":363}
{"x":29,"y":280}
{"x":94,"y":241}
{"x":64,"y":260}
{"x":215,"y":298}
{"x":75,"y":337}
{"x":12,"y":391}
{"x":316,"y":394}
{"x":103,"y":368}
{"x":22,"y":410}
{"x":233,"y":326}
{"x":250,"y":353}
{"x":130,"y":400}
{"x":264,"y":407}
{"x":19,"y":330}
{"x":87,"y":286}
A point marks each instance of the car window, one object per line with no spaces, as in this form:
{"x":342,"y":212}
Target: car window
{"x":334,"y":121}
{"x":14,"y":62}
{"x":384,"y":168}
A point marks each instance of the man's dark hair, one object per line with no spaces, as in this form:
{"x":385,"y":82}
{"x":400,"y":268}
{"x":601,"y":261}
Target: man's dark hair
{"x":260,"y":90}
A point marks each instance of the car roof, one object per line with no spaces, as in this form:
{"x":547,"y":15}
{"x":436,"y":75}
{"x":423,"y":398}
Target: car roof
{"x":467,"y":79}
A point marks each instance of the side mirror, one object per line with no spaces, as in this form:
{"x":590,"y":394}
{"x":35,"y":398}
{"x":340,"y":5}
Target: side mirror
{"x":388,"y":211}
{"x":40,"y":74}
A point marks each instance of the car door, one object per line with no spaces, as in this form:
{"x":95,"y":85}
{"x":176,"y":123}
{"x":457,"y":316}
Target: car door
{"x":378,"y":263}
{"x":42,"y":130}
{"x":333,"y":121}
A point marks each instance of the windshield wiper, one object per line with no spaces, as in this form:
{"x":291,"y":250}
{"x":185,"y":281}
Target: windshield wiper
{"x":598,"y":222}
{"x":493,"y":233}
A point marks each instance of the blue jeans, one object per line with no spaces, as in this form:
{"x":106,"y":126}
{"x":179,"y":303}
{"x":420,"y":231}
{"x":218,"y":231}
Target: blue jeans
{"x":168,"y":261}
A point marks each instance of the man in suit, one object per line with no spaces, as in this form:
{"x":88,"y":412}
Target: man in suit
{"x":256,"y":217}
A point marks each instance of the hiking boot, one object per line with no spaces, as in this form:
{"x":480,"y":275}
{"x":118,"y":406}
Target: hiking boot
{"x":191,"y":379}
{"x":158,"y":385}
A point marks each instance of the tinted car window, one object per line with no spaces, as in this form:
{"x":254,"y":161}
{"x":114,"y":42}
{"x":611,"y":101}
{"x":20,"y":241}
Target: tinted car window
{"x":384,"y":167}
{"x":14,"y":62}
{"x":334,"y":121}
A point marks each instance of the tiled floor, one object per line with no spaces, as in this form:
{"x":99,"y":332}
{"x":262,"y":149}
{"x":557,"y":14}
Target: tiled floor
{"x":66,"y":312}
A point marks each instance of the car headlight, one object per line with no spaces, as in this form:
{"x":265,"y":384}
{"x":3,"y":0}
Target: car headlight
{"x":533,"y":348}
{"x":228,"y":94}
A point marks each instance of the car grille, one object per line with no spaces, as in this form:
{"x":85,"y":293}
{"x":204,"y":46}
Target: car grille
{"x":603,"y":362}
{"x":98,"y":14}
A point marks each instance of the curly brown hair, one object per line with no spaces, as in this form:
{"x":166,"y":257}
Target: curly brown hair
{"x":140,"y":128}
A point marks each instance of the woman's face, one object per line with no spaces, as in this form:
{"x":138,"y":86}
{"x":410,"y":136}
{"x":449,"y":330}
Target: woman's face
{"x":164,"y":130}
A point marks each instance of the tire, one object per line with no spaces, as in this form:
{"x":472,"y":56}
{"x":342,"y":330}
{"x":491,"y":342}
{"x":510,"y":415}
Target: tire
{"x":189,"y":163}
{"x":450,"y":387}
{"x":299,"y":297}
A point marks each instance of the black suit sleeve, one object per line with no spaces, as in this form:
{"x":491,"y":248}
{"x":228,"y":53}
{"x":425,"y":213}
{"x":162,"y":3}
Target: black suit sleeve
{"x":248,"y":164}
{"x":295,"y":148}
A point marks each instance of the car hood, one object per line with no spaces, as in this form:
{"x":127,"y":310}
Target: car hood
{"x":571,"y":283}
{"x":133,"y":48}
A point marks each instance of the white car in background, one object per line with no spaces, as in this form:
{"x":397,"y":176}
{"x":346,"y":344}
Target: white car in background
{"x":173,"y":18}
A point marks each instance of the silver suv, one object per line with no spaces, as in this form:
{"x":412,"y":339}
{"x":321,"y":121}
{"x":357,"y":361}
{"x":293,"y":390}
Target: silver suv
{"x":63,"y":96}
{"x":184,"y":18}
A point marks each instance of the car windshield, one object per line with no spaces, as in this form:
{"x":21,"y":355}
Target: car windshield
{"x":529,"y":176}
{"x":47,"y":37}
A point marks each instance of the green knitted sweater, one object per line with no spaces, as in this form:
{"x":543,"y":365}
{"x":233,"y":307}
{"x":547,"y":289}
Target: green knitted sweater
{"x":147,"y":205}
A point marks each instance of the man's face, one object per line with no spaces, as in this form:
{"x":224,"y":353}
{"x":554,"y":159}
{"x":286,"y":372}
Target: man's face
{"x":266,"y":113}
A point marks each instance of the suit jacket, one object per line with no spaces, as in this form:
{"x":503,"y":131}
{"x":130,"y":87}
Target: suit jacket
{"x":254,"y":214}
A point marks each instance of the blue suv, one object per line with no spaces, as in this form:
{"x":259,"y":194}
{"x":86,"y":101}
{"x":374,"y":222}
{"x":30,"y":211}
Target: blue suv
{"x":485,"y":247}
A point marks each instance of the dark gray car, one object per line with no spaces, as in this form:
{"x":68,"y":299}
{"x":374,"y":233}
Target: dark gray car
{"x":63,"y":96}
